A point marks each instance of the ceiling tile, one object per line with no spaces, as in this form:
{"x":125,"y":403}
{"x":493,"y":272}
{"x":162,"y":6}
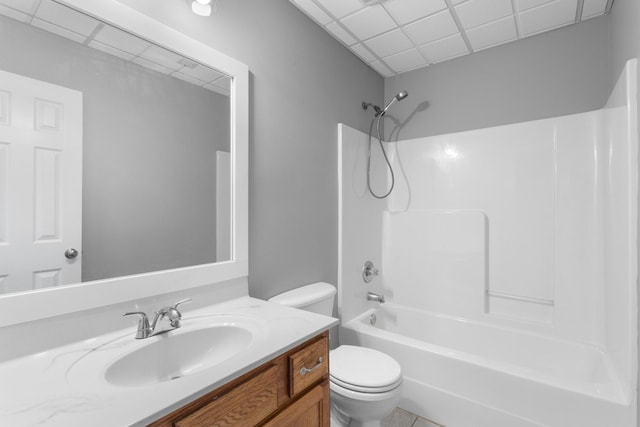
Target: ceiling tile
{"x":311,"y":9}
{"x":432,"y":28}
{"x":110,"y":50}
{"x":443,"y":49}
{"x":477,"y":12}
{"x":44,"y":25}
{"x":201,"y":72}
{"x":152,"y":66}
{"x":363,"y":53}
{"x":341,"y":8}
{"x":223,"y":82}
{"x":389,"y":43}
{"x":405,"y":61}
{"x":66,"y":18}
{"x":548,"y":16}
{"x":369,"y":22}
{"x":340,"y":33}
{"x":405,"y":11}
{"x":381,"y":68}
{"x":593,"y":8}
{"x":528,"y":4}
{"x":494,"y":33}
{"x":217,"y":89}
{"x":188,"y":79}
{"x":120,"y":40}
{"x":162,"y":57}
{"x":26,"y":6}
{"x":14,"y":14}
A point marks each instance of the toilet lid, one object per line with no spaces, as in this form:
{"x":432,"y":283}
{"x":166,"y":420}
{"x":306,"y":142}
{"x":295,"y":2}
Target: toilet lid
{"x":363,"y":369}
{"x":305,"y":295}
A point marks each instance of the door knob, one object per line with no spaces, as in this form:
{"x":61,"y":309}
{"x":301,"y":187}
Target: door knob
{"x":71,"y":253}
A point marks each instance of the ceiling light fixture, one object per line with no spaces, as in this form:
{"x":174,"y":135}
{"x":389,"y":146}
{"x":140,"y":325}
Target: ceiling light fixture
{"x":201,"y":7}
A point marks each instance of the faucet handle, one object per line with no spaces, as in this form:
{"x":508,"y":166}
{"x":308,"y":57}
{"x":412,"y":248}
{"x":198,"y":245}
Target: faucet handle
{"x":174,"y":315}
{"x":143,"y":324}
{"x":182,"y":301}
{"x":369,"y":271}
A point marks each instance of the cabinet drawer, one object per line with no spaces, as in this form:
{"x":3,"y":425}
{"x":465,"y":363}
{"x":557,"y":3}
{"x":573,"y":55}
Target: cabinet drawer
{"x":308,"y":365}
{"x":245,"y":405}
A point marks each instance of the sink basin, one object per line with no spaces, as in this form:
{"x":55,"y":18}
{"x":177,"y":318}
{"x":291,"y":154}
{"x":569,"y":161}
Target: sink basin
{"x":201,"y":343}
{"x":175,"y":356}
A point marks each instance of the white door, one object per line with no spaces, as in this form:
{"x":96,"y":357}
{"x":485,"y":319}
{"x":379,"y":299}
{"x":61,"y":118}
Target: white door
{"x":40,"y":184}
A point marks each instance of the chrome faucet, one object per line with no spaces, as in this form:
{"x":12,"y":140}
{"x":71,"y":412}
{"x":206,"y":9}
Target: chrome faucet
{"x":166,"y":319}
{"x":375,"y":297}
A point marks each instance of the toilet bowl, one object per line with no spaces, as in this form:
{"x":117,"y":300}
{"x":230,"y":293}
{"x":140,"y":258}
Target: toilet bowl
{"x":365,"y":384}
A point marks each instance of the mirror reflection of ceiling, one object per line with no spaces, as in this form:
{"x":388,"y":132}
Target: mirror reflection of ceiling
{"x":60,"y":20}
{"x":395,"y":36}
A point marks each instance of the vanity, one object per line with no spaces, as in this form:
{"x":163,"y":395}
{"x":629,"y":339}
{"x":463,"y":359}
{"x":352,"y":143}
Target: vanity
{"x":139,"y":240}
{"x":280,"y":392}
{"x":240,"y":362}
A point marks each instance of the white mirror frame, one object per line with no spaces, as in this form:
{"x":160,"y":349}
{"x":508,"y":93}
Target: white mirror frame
{"x":39,"y":304}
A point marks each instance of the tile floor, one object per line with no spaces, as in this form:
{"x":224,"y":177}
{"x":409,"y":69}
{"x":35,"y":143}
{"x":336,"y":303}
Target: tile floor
{"x":401,"y":418}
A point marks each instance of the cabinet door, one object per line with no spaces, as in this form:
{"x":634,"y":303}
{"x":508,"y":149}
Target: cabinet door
{"x":245,"y":405}
{"x":311,"y":410}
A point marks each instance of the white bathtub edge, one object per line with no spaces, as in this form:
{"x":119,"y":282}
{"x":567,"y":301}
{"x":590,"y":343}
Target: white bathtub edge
{"x":457,"y":411}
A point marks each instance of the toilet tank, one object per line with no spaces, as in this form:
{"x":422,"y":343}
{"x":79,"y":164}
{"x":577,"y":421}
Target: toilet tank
{"x":316,"y":297}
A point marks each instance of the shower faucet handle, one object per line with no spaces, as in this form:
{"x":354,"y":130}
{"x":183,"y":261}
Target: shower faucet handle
{"x":369,"y":271}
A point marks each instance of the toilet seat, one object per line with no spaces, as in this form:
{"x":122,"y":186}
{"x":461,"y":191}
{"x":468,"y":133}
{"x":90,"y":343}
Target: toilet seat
{"x":363,"y":370}
{"x":363,"y":396}
{"x":360,"y":389}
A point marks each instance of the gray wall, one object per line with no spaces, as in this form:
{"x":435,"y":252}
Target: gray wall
{"x":625,"y":44}
{"x":561,"y":72}
{"x":303,"y":84}
{"x":148,"y":153}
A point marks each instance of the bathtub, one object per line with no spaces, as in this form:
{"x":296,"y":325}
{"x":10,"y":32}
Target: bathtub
{"x":463,"y":373}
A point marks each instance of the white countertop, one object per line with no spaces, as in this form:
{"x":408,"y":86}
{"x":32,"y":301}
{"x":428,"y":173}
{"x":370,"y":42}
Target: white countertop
{"x":59,"y":387}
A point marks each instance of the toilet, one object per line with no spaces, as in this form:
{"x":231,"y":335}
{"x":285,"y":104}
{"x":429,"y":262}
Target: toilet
{"x":365,"y":384}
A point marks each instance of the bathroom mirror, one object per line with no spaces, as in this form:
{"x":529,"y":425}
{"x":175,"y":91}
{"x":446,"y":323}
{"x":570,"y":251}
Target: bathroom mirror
{"x":135,"y":164}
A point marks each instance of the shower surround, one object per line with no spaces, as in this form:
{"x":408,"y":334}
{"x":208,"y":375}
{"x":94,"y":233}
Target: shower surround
{"x":508,"y":256}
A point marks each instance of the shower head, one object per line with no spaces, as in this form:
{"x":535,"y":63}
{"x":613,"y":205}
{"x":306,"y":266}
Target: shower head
{"x":399,"y":97}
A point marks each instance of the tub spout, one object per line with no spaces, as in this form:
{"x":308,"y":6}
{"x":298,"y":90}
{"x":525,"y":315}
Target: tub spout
{"x":375,"y":297}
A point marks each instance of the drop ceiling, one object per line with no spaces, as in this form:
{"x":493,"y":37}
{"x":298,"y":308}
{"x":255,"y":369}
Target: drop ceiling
{"x":395,"y":36}
{"x":64,"y":22}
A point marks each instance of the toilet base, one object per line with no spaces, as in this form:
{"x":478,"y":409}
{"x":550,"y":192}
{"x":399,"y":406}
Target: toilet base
{"x":356,"y":409}
{"x":338,"y":419}
{"x":356,"y":423}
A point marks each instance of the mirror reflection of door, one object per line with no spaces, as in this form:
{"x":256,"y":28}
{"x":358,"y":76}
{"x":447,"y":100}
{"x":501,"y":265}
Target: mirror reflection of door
{"x":40,"y":184}
{"x":152,"y":121}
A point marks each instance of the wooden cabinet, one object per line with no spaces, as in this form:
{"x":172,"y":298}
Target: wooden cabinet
{"x":311,"y":410}
{"x":290,"y":390}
